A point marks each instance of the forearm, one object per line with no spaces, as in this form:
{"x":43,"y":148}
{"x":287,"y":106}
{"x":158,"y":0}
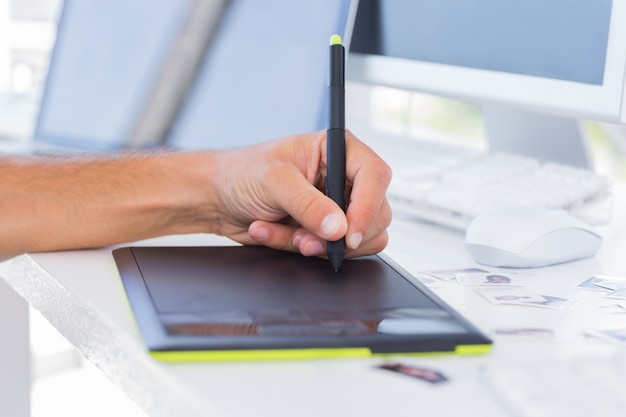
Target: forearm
{"x":53,"y":204}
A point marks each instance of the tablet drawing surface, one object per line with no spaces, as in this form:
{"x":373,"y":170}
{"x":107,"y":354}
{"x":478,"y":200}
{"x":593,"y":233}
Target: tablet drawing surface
{"x":250,"y":299}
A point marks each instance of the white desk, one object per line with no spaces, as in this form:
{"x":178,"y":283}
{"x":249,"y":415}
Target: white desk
{"x":81,"y":294}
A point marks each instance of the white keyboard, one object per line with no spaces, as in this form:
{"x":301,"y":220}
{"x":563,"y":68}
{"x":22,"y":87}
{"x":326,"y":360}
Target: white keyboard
{"x":451,"y":185}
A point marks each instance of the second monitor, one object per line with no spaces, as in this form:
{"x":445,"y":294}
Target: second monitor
{"x":262,"y":75}
{"x":535,"y":67}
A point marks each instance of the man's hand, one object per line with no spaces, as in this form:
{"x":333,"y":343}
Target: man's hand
{"x":273,"y":194}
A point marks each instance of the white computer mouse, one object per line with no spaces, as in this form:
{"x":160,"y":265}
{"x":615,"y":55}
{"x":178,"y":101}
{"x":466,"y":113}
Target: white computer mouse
{"x":526,"y":237}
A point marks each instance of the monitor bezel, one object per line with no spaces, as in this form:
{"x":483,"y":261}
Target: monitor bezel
{"x":606,"y":102}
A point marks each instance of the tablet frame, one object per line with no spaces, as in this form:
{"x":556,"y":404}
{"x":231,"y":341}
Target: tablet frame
{"x":176,"y":348}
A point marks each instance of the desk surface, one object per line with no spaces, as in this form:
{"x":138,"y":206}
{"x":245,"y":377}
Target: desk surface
{"x":81,"y":294}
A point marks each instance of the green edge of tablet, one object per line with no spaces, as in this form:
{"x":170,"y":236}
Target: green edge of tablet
{"x":298,"y":354}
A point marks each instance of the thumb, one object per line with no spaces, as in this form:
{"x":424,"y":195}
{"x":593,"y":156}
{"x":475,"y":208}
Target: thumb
{"x":311,"y":208}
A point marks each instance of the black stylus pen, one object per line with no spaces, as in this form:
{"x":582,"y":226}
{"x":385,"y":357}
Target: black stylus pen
{"x":336,"y":143}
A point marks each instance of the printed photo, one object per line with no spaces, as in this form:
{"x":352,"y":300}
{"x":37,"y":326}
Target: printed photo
{"x":490,"y":279}
{"x":424,"y":374}
{"x":450,"y":274}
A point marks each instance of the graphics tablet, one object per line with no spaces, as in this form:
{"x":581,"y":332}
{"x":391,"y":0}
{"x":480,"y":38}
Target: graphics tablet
{"x":253,"y":303}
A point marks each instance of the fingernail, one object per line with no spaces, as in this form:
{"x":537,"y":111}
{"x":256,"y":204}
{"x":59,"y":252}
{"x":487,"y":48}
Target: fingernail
{"x":330,"y":224}
{"x":259,"y":233}
{"x":312,"y":248}
{"x":297,"y":239}
{"x":355,"y":240}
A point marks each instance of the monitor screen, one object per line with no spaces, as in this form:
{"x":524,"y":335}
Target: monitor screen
{"x":561,"y":57}
{"x":105,"y":60}
{"x":534,"y":37}
{"x":265,"y":75}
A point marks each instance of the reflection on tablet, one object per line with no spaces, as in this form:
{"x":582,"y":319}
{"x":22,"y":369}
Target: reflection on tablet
{"x":312,"y":322}
{"x":418,"y":326}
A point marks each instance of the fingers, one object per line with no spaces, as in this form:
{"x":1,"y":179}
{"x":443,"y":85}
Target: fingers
{"x":287,"y":237}
{"x":316,"y":218}
{"x":296,"y":239}
{"x":307,"y":205}
{"x":368,"y":210}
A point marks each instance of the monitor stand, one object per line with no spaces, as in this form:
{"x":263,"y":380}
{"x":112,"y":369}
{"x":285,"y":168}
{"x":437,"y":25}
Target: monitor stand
{"x":545,"y":137}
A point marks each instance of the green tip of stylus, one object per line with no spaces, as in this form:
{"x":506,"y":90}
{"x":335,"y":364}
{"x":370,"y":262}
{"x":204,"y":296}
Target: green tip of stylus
{"x":335,"y":40}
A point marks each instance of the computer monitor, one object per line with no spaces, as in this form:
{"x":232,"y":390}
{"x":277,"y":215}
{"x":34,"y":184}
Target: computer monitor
{"x":105,"y":60}
{"x":535,"y":67}
{"x":263,"y":73}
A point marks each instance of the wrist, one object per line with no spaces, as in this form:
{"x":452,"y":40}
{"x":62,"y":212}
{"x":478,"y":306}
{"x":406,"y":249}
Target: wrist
{"x":195,"y":192}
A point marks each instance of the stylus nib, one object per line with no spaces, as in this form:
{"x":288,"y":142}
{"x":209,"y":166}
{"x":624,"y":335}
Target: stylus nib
{"x":336,"y":259}
{"x":336,"y":251}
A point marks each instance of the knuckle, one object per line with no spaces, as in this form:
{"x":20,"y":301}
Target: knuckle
{"x":380,"y":242}
{"x":385,"y":172}
{"x":386,"y":215}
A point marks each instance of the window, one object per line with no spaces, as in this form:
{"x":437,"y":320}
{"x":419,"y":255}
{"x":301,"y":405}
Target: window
{"x":27,"y":31}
